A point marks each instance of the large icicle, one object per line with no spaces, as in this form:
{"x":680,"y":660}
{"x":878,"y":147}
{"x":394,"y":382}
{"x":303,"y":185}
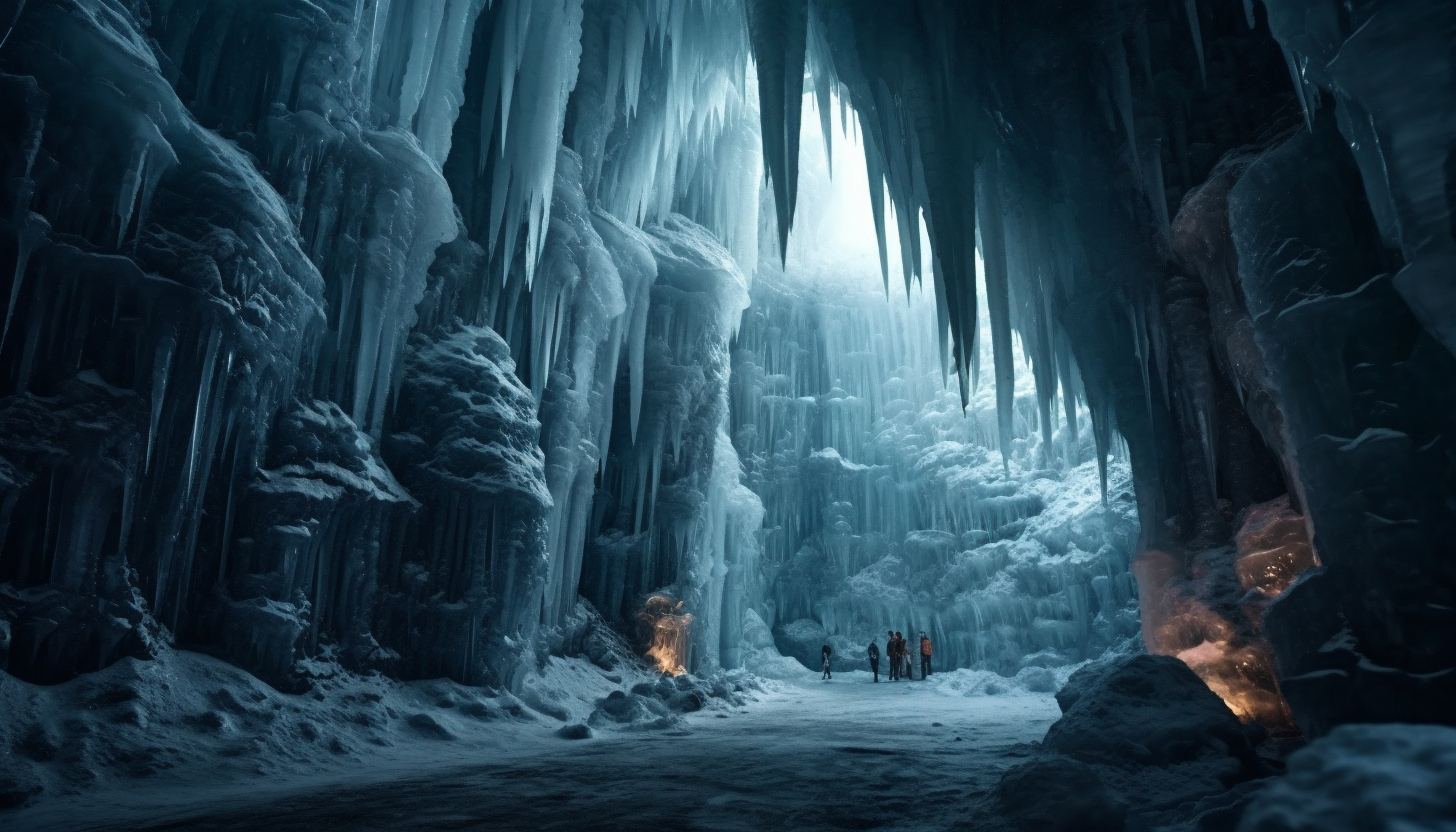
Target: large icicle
{"x":535,"y":53}
{"x":998,"y":300}
{"x":1190,"y":7}
{"x":779,"y":29}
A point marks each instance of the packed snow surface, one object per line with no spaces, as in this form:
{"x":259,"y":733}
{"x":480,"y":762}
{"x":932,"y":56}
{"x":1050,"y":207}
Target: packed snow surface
{"x":796,"y":754}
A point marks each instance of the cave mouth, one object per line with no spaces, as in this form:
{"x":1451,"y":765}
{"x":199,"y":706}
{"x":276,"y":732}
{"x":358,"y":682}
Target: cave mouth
{"x":889,"y":503}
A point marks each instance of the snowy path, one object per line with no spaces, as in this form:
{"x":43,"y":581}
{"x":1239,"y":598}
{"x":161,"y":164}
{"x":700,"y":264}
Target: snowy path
{"x":841,"y":755}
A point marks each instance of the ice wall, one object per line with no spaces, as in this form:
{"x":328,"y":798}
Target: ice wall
{"x":318,"y":338}
{"x":890,"y":508}
{"x":214,"y":327}
{"x":673,"y":514}
{"x":156,"y":284}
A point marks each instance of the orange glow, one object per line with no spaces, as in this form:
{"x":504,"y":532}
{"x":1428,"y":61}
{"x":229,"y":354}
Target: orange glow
{"x":667,"y":627}
{"x":1273,"y":546}
{"x":1186,"y":611}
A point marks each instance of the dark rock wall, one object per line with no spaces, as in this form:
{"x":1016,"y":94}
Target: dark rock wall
{"x":1190,"y":192}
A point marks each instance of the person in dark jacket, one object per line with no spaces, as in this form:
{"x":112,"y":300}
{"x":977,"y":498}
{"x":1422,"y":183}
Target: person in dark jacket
{"x":826,"y":651}
{"x":907,"y":670}
{"x":875,"y":660}
{"x":891,"y":653}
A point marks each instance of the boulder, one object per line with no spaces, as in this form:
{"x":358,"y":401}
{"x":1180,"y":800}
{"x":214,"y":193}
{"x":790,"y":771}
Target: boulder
{"x":1371,"y":778}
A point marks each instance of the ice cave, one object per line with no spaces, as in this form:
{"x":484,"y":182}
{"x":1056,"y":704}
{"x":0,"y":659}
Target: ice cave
{"x":1009,"y":415}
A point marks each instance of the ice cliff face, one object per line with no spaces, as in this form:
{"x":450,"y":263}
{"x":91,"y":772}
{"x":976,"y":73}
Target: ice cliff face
{"x":890,"y":508}
{"x":319,"y":351}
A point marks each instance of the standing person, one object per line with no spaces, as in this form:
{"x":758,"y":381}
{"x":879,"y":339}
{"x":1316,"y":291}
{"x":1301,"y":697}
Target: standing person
{"x":905,"y":656}
{"x":875,"y":660}
{"x":825,"y":652}
{"x":892,"y":655}
{"x":924,"y":655}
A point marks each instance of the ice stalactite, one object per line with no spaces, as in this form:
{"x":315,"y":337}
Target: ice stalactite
{"x":638,"y":269}
{"x":415,"y":64}
{"x":779,"y":32}
{"x":662,"y":118}
{"x":592,"y":302}
{"x":991,"y":236}
{"x":534,"y":52}
{"x":371,"y":210}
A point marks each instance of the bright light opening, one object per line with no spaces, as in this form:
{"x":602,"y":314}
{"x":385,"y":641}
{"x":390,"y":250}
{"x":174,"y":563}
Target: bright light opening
{"x":833,"y":242}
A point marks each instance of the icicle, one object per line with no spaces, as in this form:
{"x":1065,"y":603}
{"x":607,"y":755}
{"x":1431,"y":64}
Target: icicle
{"x":1210,"y":450}
{"x":874,"y":164}
{"x":1102,"y":436}
{"x":1249,"y":12}
{"x":778,"y":29}
{"x":30,"y":236}
{"x":1138,"y":320}
{"x":1122,"y":80}
{"x":823,"y":87}
{"x":126,"y":197}
{"x":1196,"y":30}
{"x":1157,"y":192}
{"x":998,"y":300}
{"x":19,"y":8}
{"x":161,"y":371}
{"x":533,"y":67}
{"x":1299,"y":90}
{"x":204,"y":396}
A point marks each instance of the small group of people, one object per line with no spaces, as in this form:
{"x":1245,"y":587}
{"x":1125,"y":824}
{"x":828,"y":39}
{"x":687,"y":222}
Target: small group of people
{"x":897,"y":650}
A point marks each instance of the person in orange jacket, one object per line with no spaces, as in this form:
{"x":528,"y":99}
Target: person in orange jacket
{"x":924,"y":655}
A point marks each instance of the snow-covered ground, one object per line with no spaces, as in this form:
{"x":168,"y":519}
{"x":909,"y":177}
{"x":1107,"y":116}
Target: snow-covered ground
{"x":800,"y":754}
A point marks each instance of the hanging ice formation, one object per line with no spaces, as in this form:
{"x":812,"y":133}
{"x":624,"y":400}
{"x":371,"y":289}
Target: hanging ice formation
{"x":887,"y":503}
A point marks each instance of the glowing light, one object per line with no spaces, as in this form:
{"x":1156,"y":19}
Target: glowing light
{"x":665,"y":627}
{"x":1186,"y":613}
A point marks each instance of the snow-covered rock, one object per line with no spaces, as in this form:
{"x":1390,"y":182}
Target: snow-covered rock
{"x":1371,"y":778}
{"x":463,"y":598}
{"x":1140,"y":736}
